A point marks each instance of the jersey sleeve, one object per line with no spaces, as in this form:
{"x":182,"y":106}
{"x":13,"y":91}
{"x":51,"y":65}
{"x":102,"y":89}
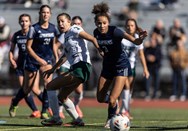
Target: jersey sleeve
{"x":31,"y":33}
{"x":61,"y":38}
{"x":76,"y":29}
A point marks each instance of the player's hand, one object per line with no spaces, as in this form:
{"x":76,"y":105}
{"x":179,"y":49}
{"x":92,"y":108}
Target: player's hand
{"x":13,"y":64}
{"x":100,"y":52}
{"x":47,"y":73}
{"x":143,"y":34}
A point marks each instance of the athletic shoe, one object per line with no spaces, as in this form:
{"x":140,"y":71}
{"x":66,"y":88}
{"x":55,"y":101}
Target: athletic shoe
{"x":35,"y":114}
{"x":61,"y":114}
{"x":77,"y":122}
{"x":173,"y":98}
{"x":12,"y":110}
{"x":182,"y":98}
{"x":50,"y":111}
{"x":107,"y":124}
{"x":44,"y":116}
{"x":79,"y":111}
{"x":126,"y":113}
{"x":52,"y":122}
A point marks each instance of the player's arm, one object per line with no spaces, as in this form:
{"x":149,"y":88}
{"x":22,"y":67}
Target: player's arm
{"x":57,"y":65}
{"x":143,"y":62}
{"x":11,"y":56}
{"x":137,"y":41}
{"x":31,"y":52}
{"x":92,"y":39}
{"x":56,"y":46}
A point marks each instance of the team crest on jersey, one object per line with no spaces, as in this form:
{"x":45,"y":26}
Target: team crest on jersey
{"x":39,"y":31}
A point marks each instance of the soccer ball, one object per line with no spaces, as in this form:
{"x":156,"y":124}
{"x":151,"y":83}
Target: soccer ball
{"x":119,"y":123}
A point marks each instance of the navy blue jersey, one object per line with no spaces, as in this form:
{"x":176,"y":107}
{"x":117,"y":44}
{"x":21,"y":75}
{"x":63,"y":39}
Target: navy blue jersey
{"x":20,"y":40}
{"x":110,"y":43}
{"x":42,"y":41}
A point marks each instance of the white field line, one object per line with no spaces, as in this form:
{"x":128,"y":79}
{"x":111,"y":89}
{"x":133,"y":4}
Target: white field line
{"x":18,"y":129}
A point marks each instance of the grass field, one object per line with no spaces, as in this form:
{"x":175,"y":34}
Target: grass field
{"x":144,"y":120}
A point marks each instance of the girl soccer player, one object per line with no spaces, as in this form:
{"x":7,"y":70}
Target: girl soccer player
{"x":77,"y":54}
{"x":116,"y":66}
{"x":132,"y":50}
{"x":76,"y":20}
{"x":19,"y":38}
{"x":40,"y":46}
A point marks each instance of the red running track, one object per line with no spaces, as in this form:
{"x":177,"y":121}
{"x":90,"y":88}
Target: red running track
{"x":92,"y":102}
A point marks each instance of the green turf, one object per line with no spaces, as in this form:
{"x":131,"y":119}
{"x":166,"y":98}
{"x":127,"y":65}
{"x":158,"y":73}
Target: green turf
{"x":144,"y":120}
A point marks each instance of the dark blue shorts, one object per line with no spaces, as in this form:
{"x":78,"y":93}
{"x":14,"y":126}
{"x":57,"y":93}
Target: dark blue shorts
{"x":110,"y":72}
{"x":20,"y":72}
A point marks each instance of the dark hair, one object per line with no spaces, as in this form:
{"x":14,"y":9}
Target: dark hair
{"x":66,"y":15}
{"x":23,"y":15}
{"x":77,"y":17}
{"x":138,"y":29}
{"x":43,"y":6}
{"x":101,"y":9}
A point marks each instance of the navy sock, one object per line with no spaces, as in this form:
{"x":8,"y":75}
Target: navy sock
{"x":45,"y":104}
{"x":19,"y":96}
{"x":30,"y":102}
{"x":54,"y":103}
{"x":111,"y":111}
{"x":40,"y":97}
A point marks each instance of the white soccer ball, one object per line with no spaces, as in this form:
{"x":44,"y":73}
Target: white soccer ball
{"x":120,"y":123}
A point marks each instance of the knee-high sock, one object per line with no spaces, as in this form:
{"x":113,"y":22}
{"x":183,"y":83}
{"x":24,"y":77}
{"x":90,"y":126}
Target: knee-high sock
{"x":45,"y":103}
{"x":125,"y":100}
{"x":70,"y":108}
{"x":19,"y":96}
{"x":78,"y":98}
{"x":30,"y":102}
{"x":54,"y":103}
{"x":111,"y":111}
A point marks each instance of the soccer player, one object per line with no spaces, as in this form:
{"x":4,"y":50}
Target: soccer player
{"x":116,"y":67}
{"x":131,"y":51}
{"x":76,"y":52}
{"x":40,"y":46}
{"x":76,"y":20}
{"x":19,"y":39}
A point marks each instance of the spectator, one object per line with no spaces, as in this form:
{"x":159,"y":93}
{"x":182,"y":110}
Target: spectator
{"x":160,"y":31}
{"x":179,"y":61}
{"x":4,"y":39}
{"x":176,"y":32}
{"x":153,"y":57}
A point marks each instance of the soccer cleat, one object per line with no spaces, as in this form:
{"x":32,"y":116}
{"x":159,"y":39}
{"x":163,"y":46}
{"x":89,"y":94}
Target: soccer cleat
{"x":107,"y":124}
{"x":61,"y":114}
{"x":12,"y":110}
{"x":79,"y":111}
{"x":50,"y":112}
{"x":52,"y":122}
{"x":77,"y":122}
{"x":126,"y":113}
{"x":44,"y":116}
{"x":35,"y":114}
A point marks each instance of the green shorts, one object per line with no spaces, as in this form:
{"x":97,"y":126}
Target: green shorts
{"x":133,"y":72}
{"x":63,"y":69}
{"x":81,"y":70}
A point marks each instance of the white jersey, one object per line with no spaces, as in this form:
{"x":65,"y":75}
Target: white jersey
{"x":75,"y":47}
{"x":131,"y":50}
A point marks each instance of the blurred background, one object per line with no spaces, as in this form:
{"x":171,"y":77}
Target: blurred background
{"x":150,"y":14}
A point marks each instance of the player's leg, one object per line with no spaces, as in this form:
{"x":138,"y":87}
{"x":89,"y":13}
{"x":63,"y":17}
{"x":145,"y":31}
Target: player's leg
{"x":77,"y":99}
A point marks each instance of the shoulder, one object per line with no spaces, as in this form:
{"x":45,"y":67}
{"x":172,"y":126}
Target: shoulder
{"x":76,"y":29}
{"x":52,"y":25}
